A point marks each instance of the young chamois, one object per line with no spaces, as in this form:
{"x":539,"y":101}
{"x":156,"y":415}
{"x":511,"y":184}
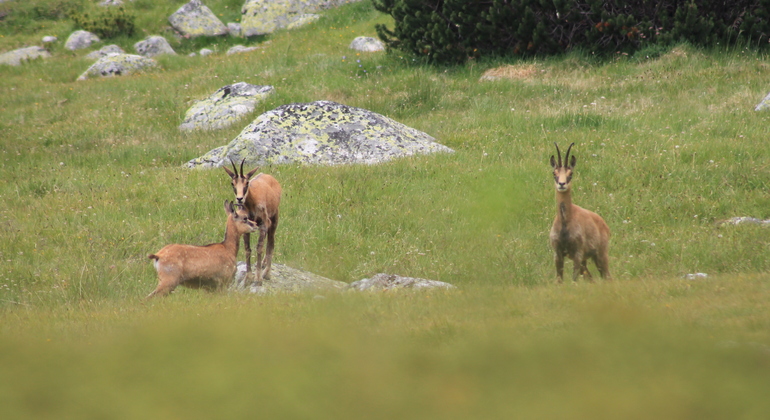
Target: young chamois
{"x":210,"y":267}
{"x":577,"y":233}
{"x":261,"y":197}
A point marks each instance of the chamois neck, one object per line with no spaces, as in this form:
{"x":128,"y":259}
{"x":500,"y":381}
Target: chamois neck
{"x":564,"y":204}
{"x":232,"y":237}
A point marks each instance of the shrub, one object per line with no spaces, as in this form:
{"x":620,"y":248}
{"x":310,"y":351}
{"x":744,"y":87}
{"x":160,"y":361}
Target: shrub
{"x":454,"y":30}
{"x":106,"y":22}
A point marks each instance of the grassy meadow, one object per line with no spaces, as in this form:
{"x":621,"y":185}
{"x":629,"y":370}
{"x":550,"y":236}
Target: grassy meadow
{"x":667,"y":145}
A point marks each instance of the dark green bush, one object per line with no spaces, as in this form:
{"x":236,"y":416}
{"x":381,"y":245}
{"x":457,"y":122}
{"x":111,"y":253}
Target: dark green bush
{"x":455,"y":30}
{"x":106,"y":22}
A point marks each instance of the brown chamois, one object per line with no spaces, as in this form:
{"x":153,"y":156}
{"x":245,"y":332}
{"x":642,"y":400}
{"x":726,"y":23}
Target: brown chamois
{"x":577,"y":233}
{"x":261,"y":197}
{"x":210,"y":267}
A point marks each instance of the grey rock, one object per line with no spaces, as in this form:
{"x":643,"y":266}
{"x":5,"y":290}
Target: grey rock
{"x":49,"y":39}
{"x":105,"y":51}
{"x":194,"y":19}
{"x":107,"y":3}
{"x":80,"y":39}
{"x":322,"y":132}
{"x":16,"y":57}
{"x":367,"y":44}
{"x":745,"y":220}
{"x":192,"y":54}
{"x":302,"y":20}
{"x":118,"y":65}
{"x":226,"y":106}
{"x":695,"y":276}
{"x":384,"y":281}
{"x":234,"y":28}
{"x":284,"y":279}
{"x":765,"y":104}
{"x":240,"y":49}
{"x":205,"y":51}
{"x":153,"y":46}
{"x":261,"y":17}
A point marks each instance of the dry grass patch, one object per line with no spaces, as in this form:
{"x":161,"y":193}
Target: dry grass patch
{"x":511,"y":72}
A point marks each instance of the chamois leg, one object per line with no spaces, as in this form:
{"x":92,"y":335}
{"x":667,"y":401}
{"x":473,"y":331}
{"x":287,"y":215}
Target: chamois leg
{"x":602,"y":260}
{"x":577,"y":266}
{"x":584,"y":271}
{"x":166,"y":285}
{"x":260,"y":252}
{"x":270,"y":247}
{"x":247,"y":256}
{"x":559,"y":260}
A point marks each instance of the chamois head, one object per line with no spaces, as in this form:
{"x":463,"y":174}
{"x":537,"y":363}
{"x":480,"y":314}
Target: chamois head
{"x":241,"y":219}
{"x":240,"y":182}
{"x":562,"y":173}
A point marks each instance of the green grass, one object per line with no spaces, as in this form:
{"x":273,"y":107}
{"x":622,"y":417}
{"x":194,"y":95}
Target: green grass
{"x":667,"y":147}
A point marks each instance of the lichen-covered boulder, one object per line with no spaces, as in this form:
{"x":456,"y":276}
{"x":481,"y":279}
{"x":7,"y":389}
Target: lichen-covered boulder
{"x":284,"y":279}
{"x":302,"y":20}
{"x":259,"y":17}
{"x":16,"y":57}
{"x":118,"y":65}
{"x":237,"y":49}
{"x":226,"y":106}
{"x":367,"y":44}
{"x":321,"y":132}
{"x":195,"y":19}
{"x":105,"y":51}
{"x":80,"y":39}
{"x":152,"y":46}
{"x":384,"y":281}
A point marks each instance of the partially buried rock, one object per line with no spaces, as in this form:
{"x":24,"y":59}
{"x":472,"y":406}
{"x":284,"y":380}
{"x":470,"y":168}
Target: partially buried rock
{"x":384,"y":281}
{"x":367,"y":44}
{"x":240,"y":49}
{"x":224,"y":107}
{"x":118,"y":65}
{"x":80,"y":39}
{"x":284,"y":279}
{"x":16,"y":57}
{"x":765,"y":104}
{"x":195,"y":19}
{"x":49,"y":39}
{"x":153,"y":46}
{"x":321,"y":132}
{"x":105,"y":51}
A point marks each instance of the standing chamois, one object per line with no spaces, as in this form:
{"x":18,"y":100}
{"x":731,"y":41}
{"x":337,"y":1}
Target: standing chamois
{"x":261,"y":197}
{"x":210,"y":267}
{"x":577,"y":233}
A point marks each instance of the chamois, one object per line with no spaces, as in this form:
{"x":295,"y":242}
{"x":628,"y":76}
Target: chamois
{"x":261,"y":197}
{"x":577,"y":233}
{"x":210,"y":267}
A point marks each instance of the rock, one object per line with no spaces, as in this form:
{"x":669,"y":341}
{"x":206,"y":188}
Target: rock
{"x":765,"y":104}
{"x":367,"y":44}
{"x":118,"y":65}
{"x":205,"y":51}
{"x":194,"y":19}
{"x":302,"y":20}
{"x":285,"y":279}
{"x":16,"y":57}
{"x":321,"y":132}
{"x":384,"y":281}
{"x":224,"y":107}
{"x":261,"y":17}
{"x":107,"y":3}
{"x":152,"y":46}
{"x":694,"y":276}
{"x":240,"y":49}
{"x":80,"y":39}
{"x":745,"y":220}
{"x":234,"y":28}
{"x":49,"y":39}
{"x":105,"y":51}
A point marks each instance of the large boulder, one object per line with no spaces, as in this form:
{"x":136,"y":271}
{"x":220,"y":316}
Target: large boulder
{"x":152,"y":46}
{"x":195,"y":19}
{"x":284,"y":279}
{"x":261,"y":17}
{"x":80,"y":39}
{"x":16,"y":57}
{"x":105,"y":51}
{"x":367,"y":44}
{"x":321,"y":132}
{"x":224,"y":107}
{"x":118,"y":65}
{"x":384,"y":281}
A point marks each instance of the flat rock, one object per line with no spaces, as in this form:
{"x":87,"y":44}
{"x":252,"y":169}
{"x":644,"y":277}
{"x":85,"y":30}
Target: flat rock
{"x":237,"y":49}
{"x":322,"y":132}
{"x":105,"y":51}
{"x":80,"y":39}
{"x":118,"y":65}
{"x":745,"y":220}
{"x":226,"y":106}
{"x":195,"y":19}
{"x":284,"y":279}
{"x":16,"y":57}
{"x":367,"y":44}
{"x":260,"y":17}
{"x":153,"y":46}
{"x":765,"y":104}
{"x":384,"y":281}
{"x":49,"y":39}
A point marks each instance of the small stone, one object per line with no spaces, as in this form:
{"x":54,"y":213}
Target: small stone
{"x":49,"y":39}
{"x":367,"y":44}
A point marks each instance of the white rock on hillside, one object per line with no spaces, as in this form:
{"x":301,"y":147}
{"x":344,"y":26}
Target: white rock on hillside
{"x":105,"y":51}
{"x":80,"y":39}
{"x":367,"y":44}
{"x":384,"y":281}
{"x":237,"y":49}
{"x":195,"y":19}
{"x":225,"y":107}
{"x":284,"y":279}
{"x":118,"y":65}
{"x":49,"y":39}
{"x":153,"y":46}
{"x":324,"y":133}
{"x":16,"y":57}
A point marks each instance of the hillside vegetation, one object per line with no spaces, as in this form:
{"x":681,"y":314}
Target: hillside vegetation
{"x":667,"y":146}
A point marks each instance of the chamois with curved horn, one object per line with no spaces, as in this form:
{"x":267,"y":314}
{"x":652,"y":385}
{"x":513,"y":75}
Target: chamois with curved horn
{"x":576,"y":233}
{"x":260,"y":196}
{"x":210,"y":267}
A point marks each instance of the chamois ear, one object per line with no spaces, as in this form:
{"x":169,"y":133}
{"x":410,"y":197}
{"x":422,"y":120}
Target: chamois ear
{"x":553,"y":162}
{"x":251,"y":173}
{"x":229,"y":207}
